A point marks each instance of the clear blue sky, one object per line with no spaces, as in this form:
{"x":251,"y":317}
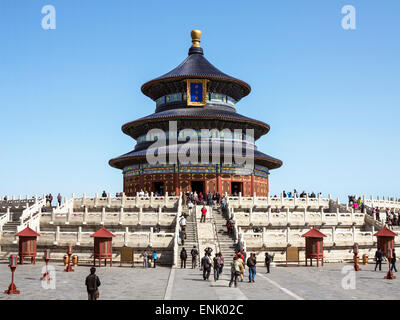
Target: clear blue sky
{"x":331,"y":96}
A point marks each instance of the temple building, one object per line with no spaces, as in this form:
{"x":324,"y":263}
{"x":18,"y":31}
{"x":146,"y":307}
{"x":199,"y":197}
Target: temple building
{"x":196,"y":96}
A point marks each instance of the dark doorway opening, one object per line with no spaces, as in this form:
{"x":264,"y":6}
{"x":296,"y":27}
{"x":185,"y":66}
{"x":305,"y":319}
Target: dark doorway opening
{"x":159,"y":188}
{"x":236,"y":187}
{"x":198,"y":186}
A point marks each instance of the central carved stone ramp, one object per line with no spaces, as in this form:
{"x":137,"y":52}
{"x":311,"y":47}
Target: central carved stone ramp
{"x":226,"y":242}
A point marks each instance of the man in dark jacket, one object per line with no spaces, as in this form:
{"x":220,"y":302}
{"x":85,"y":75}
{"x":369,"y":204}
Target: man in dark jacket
{"x":267,"y":261}
{"x":251,"y":263}
{"x":206,"y":265}
{"x":194,"y":252}
{"x":393,"y":267}
{"x":92,"y":283}
{"x":378,"y":257}
{"x":183,"y":258}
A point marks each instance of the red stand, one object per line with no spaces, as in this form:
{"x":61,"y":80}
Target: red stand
{"x":46,"y":275}
{"x":69,"y":267}
{"x":389,"y":275}
{"x":12,"y":289}
{"x":356,"y":266}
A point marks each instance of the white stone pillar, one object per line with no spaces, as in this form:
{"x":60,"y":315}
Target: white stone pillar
{"x":126,"y":236}
{"x":79,"y":236}
{"x":269,"y":214}
{"x":96,"y":200}
{"x":353,"y":230}
{"x":287,"y":215}
{"x":109,"y":199}
{"x":103,"y":215}
{"x":306,"y":199}
{"x":140,"y":215}
{"x":159,"y":215}
{"x":57,"y":234}
{"x":282,"y":198}
{"x":83,"y":200}
{"x":123,"y":199}
{"x":333,"y":233}
{"x":305,"y":214}
{"x":287,"y":234}
{"x":264,"y":236}
{"x":121,"y":214}
{"x":151,"y":199}
{"x":240,"y":198}
{"x":251,"y":215}
{"x":166,"y":199}
{"x":85,"y":214}
{"x":53,"y":216}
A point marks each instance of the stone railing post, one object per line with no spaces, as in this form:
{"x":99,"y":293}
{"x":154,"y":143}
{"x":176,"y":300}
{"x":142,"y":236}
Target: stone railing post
{"x":103,"y":215}
{"x":322,"y":214}
{"x":109,"y":199}
{"x":240,"y":198}
{"x":337,"y":215}
{"x":287,"y":234}
{"x":79,"y":236}
{"x":269,"y":214}
{"x":151,"y":199}
{"x":137,"y":199}
{"x":287,"y":215}
{"x":53,"y":216}
{"x":140,"y":215}
{"x":264,"y":235}
{"x":306,"y":199}
{"x":85,"y":214}
{"x":126,"y":235}
{"x":151,"y":237}
{"x":305,"y":214}
{"x":269,"y":199}
{"x":96,"y":200}
{"x":166,"y":199}
{"x":333,"y":234}
{"x":159,"y":215}
{"x":123,"y":199}
{"x":353,"y":230}
{"x":319,"y":199}
{"x":68,"y":216}
{"x":251,"y":215}
{"x":83,"y":199}
{"x":282,"y":198}
{"x":57,"y":234}
{"x":121,"y":214}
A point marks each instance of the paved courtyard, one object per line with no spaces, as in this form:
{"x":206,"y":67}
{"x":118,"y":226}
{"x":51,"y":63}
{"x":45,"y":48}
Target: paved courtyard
{"x":283,"y":283}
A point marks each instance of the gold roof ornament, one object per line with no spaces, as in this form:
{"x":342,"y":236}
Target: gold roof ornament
{"x":196,"y":35}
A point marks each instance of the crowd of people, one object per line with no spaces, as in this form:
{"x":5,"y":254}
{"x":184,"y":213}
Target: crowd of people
{"x":294,"y":194}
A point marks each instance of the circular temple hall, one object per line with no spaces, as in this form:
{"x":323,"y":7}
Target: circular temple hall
{"x":196,"y":111}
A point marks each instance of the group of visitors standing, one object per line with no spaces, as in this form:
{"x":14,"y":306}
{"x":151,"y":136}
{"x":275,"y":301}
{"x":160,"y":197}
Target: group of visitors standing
{"x":148,"y":257}
{"x":379,"y":258}
{"x":211,"y":199}
{"x":294,"y":194}
{"x":49,"y":199}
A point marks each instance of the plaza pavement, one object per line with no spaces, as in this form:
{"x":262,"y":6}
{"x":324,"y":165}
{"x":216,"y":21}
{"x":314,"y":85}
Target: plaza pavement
{"x":283,"y":283}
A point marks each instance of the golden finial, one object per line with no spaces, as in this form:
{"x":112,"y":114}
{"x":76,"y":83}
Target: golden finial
{"x":196,"y":35}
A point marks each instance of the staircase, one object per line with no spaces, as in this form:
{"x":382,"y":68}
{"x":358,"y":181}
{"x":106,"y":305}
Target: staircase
{"x":13,"y":223}
{"x":191,"y":239}
{"x":226,"y":242}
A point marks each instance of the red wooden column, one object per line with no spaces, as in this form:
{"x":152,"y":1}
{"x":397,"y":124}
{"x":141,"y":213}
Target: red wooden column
{"x":27,"y":245}
{"x":252,"y":186}
{"x":314,"y":245}
{"x":219,"y":183}
{"x":102,"y":246}
{"x":385,"y":239}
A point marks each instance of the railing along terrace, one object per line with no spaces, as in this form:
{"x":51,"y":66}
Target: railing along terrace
{"x":122,"y":216}
{"x":273,"y":218}
{"x":268,"y":201}
{"x":124,"y":201}
{"x":290,"y":237}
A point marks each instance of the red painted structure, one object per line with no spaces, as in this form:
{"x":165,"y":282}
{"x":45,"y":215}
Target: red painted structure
{"x":27,"y":244}
{"x":102,"y":246}
{"x":314,"y":245}
{"x":385,"y":238}
{"x":12,"y":289}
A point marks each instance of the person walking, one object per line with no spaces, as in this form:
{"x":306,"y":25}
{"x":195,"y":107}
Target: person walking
{"x":194,"y":252}
{"x":393,"y":261}
{"x":50,"y":199}
{"x":182,"y":223}
{"x":241,"y":267}
{"x":251,"y":263}
{"x":190,"y":207}
{"x":104,"y":194}
{"x":203,"y":214}
{"x":155,"y":257}
{"x":145,"y":256}
{"x":267,"y":261}
{"x":183,"y":258}
{"x":235,"y":272}
{"x":206,"y":266}
{"x":221,"y":263}
{"x":216,"y":267}
{"x":378,"y":258}
{"x":92,"y":283}
{"x":59,"y":198}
